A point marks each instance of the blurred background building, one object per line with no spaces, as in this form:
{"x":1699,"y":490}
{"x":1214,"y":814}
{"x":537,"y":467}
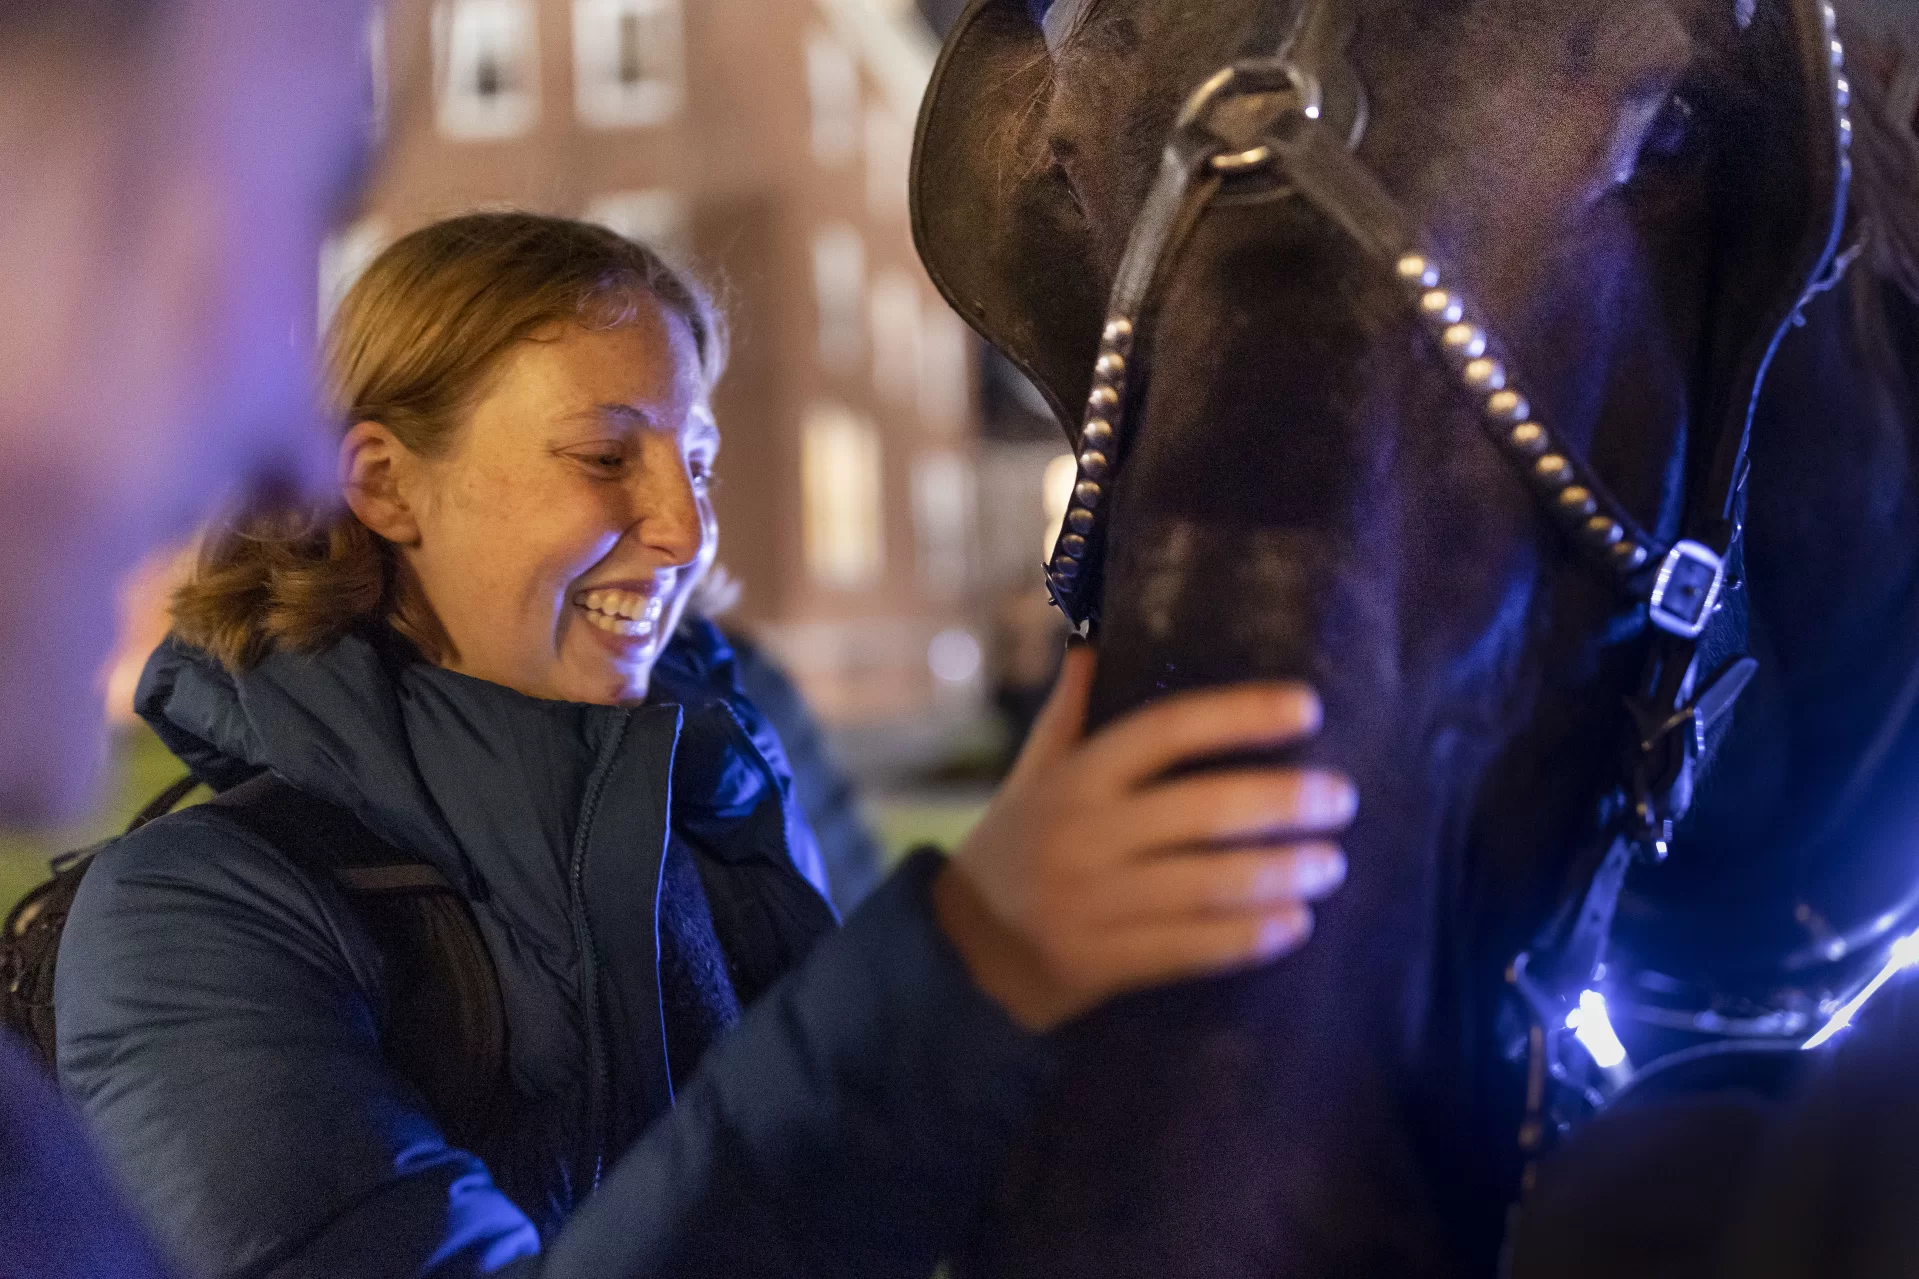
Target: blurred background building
{"x":884,"y":483}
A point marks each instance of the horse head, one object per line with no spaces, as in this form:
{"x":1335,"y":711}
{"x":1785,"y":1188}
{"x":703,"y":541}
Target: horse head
{"x":1317,"y":460}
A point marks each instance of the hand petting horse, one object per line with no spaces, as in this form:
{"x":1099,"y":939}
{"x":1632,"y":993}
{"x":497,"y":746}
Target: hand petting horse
{"x":1540,"y":380}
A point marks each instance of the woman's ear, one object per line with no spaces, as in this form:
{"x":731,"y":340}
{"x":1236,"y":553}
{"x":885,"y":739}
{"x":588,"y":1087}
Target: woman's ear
{"x":376,"y":474}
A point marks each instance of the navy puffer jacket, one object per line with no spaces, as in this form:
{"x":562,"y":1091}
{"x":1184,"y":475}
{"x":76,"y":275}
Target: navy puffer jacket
{"x":220,"y":1009}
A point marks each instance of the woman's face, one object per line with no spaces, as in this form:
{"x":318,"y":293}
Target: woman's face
{"x":559,"y":537}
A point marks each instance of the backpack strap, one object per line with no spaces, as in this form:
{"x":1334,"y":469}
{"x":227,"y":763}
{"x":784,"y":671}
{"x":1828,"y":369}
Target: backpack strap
{"x":444,"y":1028}
{"x":30,"y":949}
{"x":30,"y":936}
{"x":165,"y":802}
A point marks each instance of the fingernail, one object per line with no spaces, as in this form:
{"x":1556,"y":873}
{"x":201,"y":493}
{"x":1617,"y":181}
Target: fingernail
{"x":1302,"y":709}
{"x":1327,"y":799}
{"x":1322,"y":871}
{"x":1076,"y":640}
{"x":1283,"y":933}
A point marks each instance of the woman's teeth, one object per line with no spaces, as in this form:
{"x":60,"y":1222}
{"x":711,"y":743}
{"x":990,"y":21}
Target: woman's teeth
{"x":627,"y":613}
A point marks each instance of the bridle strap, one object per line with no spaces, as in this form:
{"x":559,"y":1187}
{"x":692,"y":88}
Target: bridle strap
{"x":1197,"y":158}
{"x":1181,"y":191}
{"x":1296,"y":137}
{"x":1672,"y":712}
{"x":1346,"y":191}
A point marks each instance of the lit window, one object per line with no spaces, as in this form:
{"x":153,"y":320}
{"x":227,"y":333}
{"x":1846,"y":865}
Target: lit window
{"x":833,"y":87}
{"x":343,"y":257}
{"x":842,"y":497}
{"x":628,"y":61}
{"x":889,"y":155}
{"x":658,"y":219}
{"x":895,"y":324}
{"x":839,"y":288}
{"x":378,"y":86}
{"x":946,"y":353}
{"x":944,"y":500}
{"x":488,"y":72}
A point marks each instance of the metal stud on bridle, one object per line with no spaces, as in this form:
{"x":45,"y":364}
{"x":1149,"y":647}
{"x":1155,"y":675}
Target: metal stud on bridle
{"x":1554,"y":470}
{"x":1097,"y":439}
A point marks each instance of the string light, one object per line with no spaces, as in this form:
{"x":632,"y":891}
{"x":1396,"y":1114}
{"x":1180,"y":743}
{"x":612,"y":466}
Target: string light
{"x":1905,"y":953}
{"x":1592,"y":1027}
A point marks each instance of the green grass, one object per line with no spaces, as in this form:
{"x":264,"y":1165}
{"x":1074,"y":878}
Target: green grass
{"x":906,"y":821}
{"x":138,"y":769}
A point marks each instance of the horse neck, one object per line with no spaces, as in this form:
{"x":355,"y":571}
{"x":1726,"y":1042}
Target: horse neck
{"x":1833,"y":566}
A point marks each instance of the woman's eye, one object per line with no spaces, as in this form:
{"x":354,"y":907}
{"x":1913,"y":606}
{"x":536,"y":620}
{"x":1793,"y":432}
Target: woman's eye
{"x":605,"y":461}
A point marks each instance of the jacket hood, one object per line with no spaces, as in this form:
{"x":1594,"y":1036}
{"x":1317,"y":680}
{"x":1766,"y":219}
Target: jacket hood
{"x":332,"y":723}
{"x":485,"y":783}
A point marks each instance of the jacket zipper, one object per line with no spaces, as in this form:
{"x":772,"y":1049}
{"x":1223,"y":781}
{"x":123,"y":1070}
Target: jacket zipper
{"x":599,"y":1081}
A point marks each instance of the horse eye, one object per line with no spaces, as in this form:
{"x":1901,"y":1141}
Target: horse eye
{"x":1671,"y":128}
{"x":1036,"y":9}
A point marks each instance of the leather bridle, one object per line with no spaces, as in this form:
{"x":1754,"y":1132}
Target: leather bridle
{"x":1298,"y":119}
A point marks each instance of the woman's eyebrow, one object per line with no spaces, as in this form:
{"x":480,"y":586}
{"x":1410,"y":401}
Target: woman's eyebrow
{"x":622,"y":416}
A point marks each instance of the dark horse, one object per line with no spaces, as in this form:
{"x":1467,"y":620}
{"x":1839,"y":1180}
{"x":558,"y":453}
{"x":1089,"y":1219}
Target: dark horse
{"x":1305,"y":490}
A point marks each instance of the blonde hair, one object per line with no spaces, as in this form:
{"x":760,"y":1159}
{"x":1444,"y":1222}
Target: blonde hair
{"x":412,"y":347}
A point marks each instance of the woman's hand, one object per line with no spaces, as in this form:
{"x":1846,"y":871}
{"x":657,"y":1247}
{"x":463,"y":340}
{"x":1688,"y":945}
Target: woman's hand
{"x":1091,"y":876}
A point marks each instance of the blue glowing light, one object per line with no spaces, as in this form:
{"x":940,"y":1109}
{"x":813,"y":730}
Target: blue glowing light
{"x":1593,"y":1029}
{"x":1905,"y":953}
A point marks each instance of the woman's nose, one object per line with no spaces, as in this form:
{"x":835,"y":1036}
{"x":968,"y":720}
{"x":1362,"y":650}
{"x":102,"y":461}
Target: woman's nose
{"x":670,"y":521}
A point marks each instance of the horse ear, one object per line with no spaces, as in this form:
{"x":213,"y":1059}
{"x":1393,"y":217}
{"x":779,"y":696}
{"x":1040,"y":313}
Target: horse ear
{"x":998,"y":232}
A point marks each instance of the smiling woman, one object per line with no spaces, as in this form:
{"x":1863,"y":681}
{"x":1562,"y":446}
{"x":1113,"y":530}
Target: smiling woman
{"x":556,"y":540}
{"x":452,"y":343}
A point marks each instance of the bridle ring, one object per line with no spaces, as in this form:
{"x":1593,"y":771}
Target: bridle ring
{"x":1239,"y":162}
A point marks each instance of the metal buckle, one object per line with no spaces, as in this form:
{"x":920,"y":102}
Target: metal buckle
{"x":1687,"y":590}
{"x":1253,"y":76}
{"x":1231,"y":146}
